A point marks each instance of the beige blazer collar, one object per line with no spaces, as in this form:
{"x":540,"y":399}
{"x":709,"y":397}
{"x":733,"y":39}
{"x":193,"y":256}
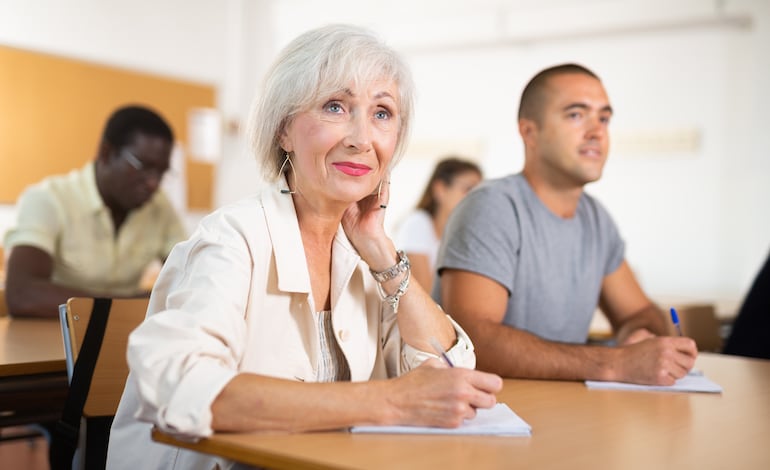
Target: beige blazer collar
{"x":290,"y":260}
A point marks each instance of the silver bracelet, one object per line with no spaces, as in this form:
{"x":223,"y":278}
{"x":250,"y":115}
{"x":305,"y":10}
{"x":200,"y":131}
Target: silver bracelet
{"x":393,"y":271}
{"x":394,"y":298}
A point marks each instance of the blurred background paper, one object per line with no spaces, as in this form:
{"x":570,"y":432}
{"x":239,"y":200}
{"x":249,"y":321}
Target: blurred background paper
{"x":205,"y":134}
{"x":694,"y":381}
{"x":175,"y":180}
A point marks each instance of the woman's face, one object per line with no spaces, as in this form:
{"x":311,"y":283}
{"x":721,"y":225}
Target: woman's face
{"x":344,"y":143}
{"x":448,"y":196}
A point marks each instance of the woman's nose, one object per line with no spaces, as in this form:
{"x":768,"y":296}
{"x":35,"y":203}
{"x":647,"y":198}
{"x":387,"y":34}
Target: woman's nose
{"x":359,"y":133}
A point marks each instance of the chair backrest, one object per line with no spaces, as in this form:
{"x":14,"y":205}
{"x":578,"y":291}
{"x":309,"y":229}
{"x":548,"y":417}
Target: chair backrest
{"x":700,"y":323}
{"x":3,"y":306}
{"x":111,"y":369}
{"x":3,"y":266}
{"x":95,"y":333}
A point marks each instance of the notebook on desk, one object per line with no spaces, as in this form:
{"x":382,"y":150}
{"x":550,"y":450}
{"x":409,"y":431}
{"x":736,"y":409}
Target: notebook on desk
{"x":499,"y":420}
{"x":695,"y":381}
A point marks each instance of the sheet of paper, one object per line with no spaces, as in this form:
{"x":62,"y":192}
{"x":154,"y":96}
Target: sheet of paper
{"x":499,"y":420}
{"x":695,"y":381}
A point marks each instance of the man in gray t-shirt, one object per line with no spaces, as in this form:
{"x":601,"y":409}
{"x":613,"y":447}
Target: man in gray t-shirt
{"x":526,"y":259}
{"x":551,"y":267}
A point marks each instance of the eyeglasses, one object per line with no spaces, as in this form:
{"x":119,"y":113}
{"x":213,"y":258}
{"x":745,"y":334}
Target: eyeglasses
{"x":140,"y":167}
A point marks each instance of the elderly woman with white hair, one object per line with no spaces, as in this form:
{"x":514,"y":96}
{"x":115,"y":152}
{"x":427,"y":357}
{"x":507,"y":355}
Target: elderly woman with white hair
{"x":293,"y":310}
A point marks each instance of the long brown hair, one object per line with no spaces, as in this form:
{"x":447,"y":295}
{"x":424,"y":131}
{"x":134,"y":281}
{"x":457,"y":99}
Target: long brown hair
{"x":446,"y":170}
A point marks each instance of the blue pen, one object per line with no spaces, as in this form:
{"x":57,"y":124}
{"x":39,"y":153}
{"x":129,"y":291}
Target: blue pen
{"x":675,"y":319}
{"x":440,"y":351}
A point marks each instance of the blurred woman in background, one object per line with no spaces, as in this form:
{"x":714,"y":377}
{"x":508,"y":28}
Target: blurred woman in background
{"x":420,"y":233}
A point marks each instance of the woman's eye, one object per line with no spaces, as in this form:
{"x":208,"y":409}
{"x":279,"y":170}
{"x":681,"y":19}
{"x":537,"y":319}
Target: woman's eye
{"x":382,"y":114}
{"x":334,"y":107}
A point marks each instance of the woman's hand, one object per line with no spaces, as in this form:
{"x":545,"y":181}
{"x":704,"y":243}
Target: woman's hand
{"x":436,"y":395}
{"x":363,"y":222}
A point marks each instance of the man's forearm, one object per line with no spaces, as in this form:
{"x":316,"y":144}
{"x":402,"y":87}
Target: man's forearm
{"x":39,"y":299}
{"x":650,"y":318}
{"x":514,"y":353}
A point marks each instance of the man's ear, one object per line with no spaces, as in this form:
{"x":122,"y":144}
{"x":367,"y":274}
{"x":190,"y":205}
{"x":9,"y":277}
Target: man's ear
{"x":528,"y":131}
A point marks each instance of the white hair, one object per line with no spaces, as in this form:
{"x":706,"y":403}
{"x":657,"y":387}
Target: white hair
{"x":316,"y":64}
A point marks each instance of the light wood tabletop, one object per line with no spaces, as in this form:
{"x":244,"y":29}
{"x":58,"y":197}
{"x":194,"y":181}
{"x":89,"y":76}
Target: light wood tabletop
{"x":572,"y":427}
{"x":30,"y":346}
{"x":33,"y":374}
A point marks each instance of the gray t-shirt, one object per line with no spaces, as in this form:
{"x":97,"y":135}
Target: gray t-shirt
{"x":552,"y":267}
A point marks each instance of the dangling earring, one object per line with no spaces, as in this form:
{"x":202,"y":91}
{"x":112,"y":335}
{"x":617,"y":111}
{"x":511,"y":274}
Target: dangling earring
{"x":379,"y":191}
{"x":280,"y":172}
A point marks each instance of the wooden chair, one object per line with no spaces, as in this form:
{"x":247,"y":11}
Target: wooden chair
{"x":700,"y":323}
{"x":95,"y":333}
{"x":3,"y":306}
{"x":3,"y":265}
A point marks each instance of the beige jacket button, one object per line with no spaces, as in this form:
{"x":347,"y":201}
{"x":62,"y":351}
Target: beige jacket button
{"x":343,"y":335}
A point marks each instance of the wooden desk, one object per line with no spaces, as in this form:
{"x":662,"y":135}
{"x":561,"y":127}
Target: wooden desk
{"x":33,"y":376}
{"x":573,"y":427}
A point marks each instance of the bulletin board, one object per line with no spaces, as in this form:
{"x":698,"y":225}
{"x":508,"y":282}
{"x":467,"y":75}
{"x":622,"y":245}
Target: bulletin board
{"x":53,"y":110}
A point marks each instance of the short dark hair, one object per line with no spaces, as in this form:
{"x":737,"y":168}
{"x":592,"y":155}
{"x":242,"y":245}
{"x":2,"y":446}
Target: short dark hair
{"x":446,"y":170}
{"x":534,"y":95}
{"x":126,"y":121}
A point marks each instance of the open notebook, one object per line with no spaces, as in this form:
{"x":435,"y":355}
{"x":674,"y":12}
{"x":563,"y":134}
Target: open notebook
{"x":695,"y":381}
{"x":499,"y":420}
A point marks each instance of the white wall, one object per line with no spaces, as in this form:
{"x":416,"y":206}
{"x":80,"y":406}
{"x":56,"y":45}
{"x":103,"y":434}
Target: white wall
{"x":179,"y":38}
{"x":693,"y":216}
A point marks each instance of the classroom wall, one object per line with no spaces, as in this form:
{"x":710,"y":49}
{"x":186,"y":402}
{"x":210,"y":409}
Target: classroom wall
{"x":688,"y":178}
{"x":688,"y":175}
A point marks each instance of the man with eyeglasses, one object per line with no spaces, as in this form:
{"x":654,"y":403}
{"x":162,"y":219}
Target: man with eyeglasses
{"x":94,"y":231}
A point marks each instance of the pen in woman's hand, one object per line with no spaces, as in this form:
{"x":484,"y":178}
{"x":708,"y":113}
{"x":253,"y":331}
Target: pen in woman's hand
{"x":675,"y":319}
{"x":440,"y":351}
